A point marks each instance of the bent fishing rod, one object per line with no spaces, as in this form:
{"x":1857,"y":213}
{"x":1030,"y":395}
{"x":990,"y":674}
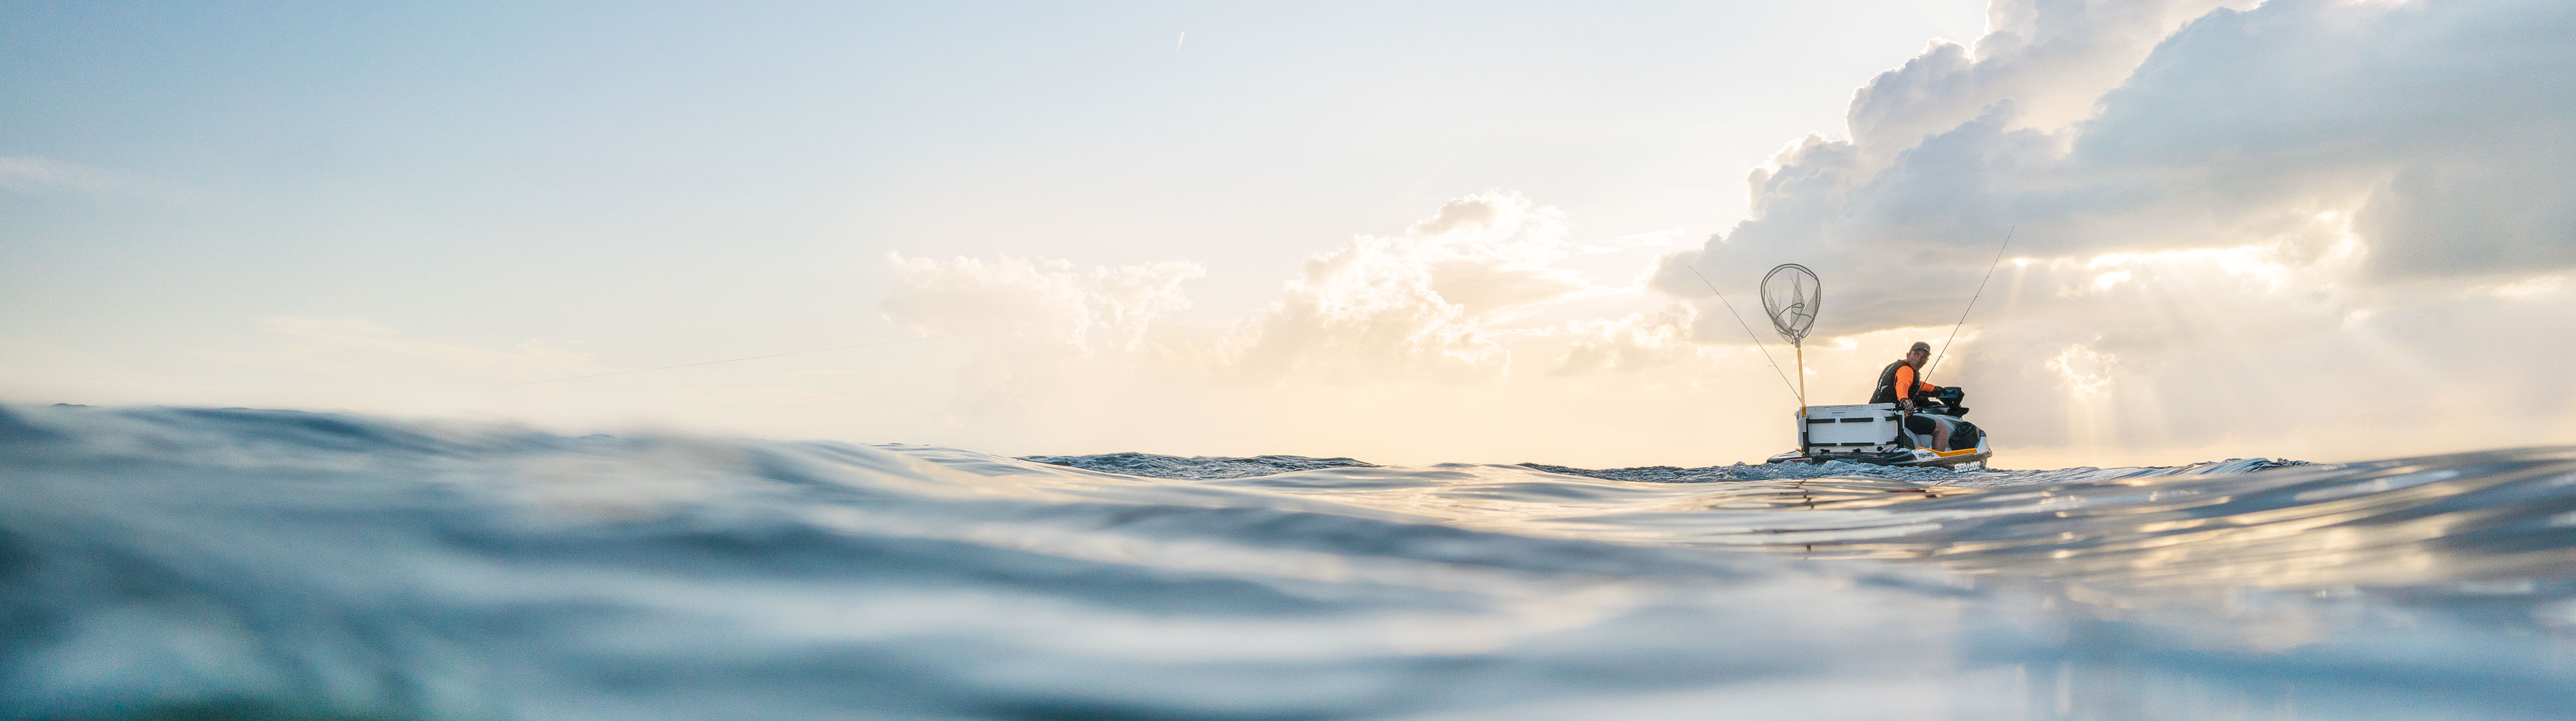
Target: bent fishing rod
{"x":1972,"y":304}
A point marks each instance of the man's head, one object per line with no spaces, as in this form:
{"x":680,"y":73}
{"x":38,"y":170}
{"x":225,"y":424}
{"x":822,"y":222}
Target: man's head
{"x":1916,"y":355}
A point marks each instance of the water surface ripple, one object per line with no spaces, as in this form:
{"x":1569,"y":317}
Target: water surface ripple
{"x":231,"y":563}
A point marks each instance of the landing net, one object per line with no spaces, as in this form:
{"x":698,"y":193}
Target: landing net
{"x":1791,"y":294}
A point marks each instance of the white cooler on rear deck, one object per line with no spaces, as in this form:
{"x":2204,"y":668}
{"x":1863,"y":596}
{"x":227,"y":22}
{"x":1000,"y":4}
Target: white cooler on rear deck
{"x":1867,"y":428}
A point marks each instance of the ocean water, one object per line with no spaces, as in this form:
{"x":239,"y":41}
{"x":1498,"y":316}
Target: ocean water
{"x":168,"y":563}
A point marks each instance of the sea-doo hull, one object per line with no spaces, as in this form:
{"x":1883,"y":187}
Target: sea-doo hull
{"x":1874,"y":434}
{"x":1918,"y":456}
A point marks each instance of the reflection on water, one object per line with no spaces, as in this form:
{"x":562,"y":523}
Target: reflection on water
{"x":2502,"y":514}
{"x":156,"y":563}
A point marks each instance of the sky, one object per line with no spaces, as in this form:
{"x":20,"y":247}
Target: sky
{"x":1402,"y":232}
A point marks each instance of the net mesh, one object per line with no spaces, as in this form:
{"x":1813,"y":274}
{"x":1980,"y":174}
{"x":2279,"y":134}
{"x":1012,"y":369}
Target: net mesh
{"x":1791,"y":294}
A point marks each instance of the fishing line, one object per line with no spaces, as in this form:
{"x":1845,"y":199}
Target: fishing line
{"x":980,"y":332}
{"x":1748,"y":333}
{"x":1972,"y":304}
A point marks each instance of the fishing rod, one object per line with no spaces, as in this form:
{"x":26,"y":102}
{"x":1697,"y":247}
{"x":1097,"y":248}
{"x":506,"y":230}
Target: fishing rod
{"x":1972,"y":304}
{"x":1748,"y":333}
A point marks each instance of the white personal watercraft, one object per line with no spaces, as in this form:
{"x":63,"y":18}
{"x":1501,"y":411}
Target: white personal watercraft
{"x":1875,"y":433}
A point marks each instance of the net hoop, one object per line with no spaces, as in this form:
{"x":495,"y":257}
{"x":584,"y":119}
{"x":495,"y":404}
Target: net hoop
{"x":1791,"y":294}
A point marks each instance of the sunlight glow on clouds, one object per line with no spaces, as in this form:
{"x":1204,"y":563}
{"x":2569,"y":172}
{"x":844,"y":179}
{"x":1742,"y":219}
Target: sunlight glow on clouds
{"x":2311,"y":228}
{"x":2085,"y":371}
{"x":1420,"y":306}
{"x":1090,"y":309}
{"x":2227,"y":214}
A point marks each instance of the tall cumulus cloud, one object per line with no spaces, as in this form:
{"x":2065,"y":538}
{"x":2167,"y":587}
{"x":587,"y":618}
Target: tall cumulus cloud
{"x":2434,"y":132}
{"x":2223,"y":215}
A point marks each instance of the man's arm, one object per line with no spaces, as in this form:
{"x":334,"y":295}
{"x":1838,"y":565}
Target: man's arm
{"x":1905,"y":387}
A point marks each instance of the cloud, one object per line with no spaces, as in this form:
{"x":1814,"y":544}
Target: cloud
{"x":28,"y":174}
{"x":2228,"y":216}
{"x":1087,"y":309}
{"x":1049,"y":319}
{"x":1441,"y":342}
{"x":1631,"y":343}
{"x":1421,"y":306}
{"x":2455,"y":113}
{"x":2051,"y":58}
{"x":2314,"y":228}
{"x":2432,"y":132}
{"x":1418,"y":306}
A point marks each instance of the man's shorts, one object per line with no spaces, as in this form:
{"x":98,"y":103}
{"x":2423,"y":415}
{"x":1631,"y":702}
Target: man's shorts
{"x":1922,"y":423}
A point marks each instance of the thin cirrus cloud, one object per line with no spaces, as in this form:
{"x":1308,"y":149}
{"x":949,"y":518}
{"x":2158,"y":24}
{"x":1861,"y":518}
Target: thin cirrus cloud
{"x":28,"y":174}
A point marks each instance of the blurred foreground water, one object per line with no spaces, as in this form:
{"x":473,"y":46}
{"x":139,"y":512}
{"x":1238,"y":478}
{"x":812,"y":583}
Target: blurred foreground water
{"x":191,"y":563}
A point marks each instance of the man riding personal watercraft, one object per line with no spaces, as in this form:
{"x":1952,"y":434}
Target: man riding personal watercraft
{"x":1929,"y":409}
{"x":1907,"y":422}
